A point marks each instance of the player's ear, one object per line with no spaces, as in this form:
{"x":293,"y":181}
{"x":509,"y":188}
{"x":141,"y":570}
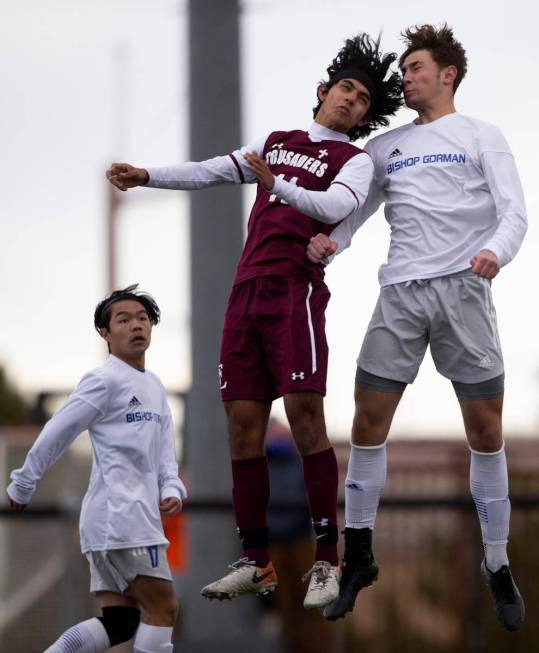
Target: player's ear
{"x":449,"y":74}
{"x":364,"y":121}
{"x":104,"y":333}
{"x":322,"y":92}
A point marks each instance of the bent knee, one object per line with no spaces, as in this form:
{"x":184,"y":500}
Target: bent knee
{"x":162,"y":613}
{"x":120,"y":622}
{"x":371,"y":426}
{"x":487,"y":440}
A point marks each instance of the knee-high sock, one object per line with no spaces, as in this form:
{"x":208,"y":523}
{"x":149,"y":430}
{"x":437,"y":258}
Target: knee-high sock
{"x":153,"y":639}
{"x":365,"y":481}
{"x":87,"y":637}
{"x":250,"y":497}
{"x":490,"y":492}
{"x":321,"y":477}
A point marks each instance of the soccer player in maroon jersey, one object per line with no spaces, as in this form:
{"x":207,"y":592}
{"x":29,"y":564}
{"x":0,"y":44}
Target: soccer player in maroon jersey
{"x":273,"y":341}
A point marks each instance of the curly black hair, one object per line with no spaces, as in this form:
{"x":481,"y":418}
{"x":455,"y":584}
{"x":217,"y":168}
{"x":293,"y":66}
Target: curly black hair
{"x":363,"y":53}
{"x":442,"y":45}
{"x":103,"y":309}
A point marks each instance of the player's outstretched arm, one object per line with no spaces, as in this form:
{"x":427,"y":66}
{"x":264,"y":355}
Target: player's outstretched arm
{"x":74,"y":417}
{"x":125,"y":176}
{"x":319,"y":247}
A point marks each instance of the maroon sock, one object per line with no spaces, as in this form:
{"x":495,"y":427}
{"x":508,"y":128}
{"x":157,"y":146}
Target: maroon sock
{"x":321,"y":476}
{"x":250,"y":497}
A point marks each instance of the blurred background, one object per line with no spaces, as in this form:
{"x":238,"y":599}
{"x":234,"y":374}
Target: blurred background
{"x":154,"y":82}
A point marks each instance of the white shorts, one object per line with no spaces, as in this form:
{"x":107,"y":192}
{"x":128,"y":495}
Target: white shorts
{"x":453,"y":314}
{"x":112,"y":571}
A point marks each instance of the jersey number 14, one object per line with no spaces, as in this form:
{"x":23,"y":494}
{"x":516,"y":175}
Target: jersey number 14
{"x":274,"y":198}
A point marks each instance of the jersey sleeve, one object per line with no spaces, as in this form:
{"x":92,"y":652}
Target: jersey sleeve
{"x":84,"y":406}
{"x":345,"y":231}
{"x":346,"y":193}
{"x":503,"y":180}
{"x":247,"y":174}
{"x":194,"y":175}
{"x":170,"y":484}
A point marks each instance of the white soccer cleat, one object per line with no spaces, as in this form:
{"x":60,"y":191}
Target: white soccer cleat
{"x":323,"y":586}
{"x":245,"y":578}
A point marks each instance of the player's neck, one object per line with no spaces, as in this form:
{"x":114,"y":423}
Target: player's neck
{"x":430,"y":113}
{"x":323,"y":121}
{"x":137,"y":362}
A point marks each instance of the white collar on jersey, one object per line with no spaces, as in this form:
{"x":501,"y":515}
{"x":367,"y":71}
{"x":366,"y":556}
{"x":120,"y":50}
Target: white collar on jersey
{"x":319,"y":133}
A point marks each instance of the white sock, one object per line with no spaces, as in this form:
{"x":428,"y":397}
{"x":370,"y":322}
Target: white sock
{"x":367,"y":470}
{"x":490,"y":491}
{"x":87,"y":637}
{"x":153,"y":639}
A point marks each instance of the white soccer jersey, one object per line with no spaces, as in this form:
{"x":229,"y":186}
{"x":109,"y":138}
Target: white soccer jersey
{"x":451,"y":189}
{"x":134,"y":463}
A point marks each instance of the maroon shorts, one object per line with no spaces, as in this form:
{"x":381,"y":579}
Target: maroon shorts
{"x":274,"y":339}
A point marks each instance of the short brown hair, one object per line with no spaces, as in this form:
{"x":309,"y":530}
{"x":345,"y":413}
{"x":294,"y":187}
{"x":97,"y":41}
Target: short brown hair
{"x":442,"y":45}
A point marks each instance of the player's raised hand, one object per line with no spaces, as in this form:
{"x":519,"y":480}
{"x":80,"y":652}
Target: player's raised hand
{"x":124,"y":176}
{"x":319,"y":247}
{"x":171,"y":506}
{"x":485,"y":264}
{"x":261,"y":170}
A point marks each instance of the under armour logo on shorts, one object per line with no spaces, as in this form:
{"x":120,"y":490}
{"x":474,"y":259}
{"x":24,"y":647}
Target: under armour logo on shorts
{"x":298,"y":375}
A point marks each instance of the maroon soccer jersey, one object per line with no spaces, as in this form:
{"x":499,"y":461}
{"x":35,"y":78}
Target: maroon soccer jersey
{"x":278,"y":235}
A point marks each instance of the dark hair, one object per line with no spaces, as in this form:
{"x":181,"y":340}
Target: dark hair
{"x":442,"y":45}
{"x":363,"y":53}
{"x":104,"y":308}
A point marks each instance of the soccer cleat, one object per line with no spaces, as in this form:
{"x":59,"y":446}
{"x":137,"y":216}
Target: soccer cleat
{"x":359,"y":570}
{"x":508,"y":603}
{"x":323,"y":586}
{"x":354,"y":578}
{"x":245,"y":578}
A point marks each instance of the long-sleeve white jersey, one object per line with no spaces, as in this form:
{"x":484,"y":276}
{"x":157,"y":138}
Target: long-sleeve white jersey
{"x":451,"y":189}
{"x":134,"y":463}
{"x":346,"y":193}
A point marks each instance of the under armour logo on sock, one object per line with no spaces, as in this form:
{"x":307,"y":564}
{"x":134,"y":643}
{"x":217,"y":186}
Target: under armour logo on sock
{"x":323,"y":522}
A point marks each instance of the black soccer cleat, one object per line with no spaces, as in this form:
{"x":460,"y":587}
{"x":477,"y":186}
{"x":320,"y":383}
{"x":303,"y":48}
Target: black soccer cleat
{"x":359,"y":570}
{"x":354,"y":578}
{"x":508,"y":603}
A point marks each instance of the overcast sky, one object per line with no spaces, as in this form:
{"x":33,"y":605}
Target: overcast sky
{"x":85,"y":83}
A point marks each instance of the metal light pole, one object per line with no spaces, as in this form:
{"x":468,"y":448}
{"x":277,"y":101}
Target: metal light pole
{"x":216,"y":240}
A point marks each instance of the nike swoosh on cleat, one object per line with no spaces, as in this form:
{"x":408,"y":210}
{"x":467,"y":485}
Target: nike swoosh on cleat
{"x":259,"y":579}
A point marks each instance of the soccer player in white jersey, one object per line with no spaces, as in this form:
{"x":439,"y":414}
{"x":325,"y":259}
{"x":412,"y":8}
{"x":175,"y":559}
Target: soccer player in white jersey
{"x":134,"y":481}
{"x":455,"y":206}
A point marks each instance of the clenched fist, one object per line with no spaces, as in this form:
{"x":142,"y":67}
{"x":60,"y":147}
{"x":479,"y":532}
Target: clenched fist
{"x":319,"y":247}
{"x":124,"y":176}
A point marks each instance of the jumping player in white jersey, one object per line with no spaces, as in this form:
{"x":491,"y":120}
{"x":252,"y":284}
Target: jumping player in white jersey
{"x":134,"y":481}
{"x":273,"y":341}
{"x":455,"y":206}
